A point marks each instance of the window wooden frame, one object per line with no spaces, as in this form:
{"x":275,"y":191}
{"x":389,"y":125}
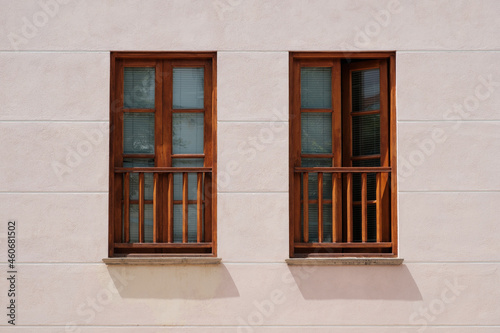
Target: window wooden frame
{"x":342,"y":244}
{"x":162,"y":244}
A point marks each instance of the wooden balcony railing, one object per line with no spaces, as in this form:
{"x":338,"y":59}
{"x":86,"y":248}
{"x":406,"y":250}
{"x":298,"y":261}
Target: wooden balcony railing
{"x":342,"y":203}
{"x":163,"y":207}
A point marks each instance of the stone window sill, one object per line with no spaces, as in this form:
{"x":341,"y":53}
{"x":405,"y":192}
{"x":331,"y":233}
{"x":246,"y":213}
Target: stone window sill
{"x":344,"y":261}
{"x":162,"y":261}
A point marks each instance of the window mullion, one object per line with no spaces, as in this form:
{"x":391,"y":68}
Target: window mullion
{"x":337,"y":151}
{"x":158,"y":189}
{"x":167,"y":112}
{"x":337,"y":114}
{"x":166,"y":151}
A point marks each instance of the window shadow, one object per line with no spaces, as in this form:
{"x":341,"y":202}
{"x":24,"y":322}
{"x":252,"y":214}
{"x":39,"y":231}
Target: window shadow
{"x":356,"y":282}
{"x":173,"y":282}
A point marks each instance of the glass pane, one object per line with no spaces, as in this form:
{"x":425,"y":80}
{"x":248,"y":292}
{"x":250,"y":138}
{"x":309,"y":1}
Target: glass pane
{"x":316,"y":133}
{"x":375,"y":162}
{"x":134,"y":223}
{"x":371,"y":223}
{"x":313,"y":222}
{"x":366,"y":135}
{"x":192,"y":177}
{"x":192,"y":223}
{"x":366,"y":90}
{"x":316,"y":162}
{"x":371,"y":187}
{"x":315,"y":88}
{"x":188,"y":88}
{"x":327,"y":222}
{"x":148,"y":223}
{"x":313,"y":177}
{"x":134,"y":177}
{"x":371,"y":180}
{"x":187,"y":133}
{"x":356,"y":227}
{"x":187,"y":162}
{"x":138,"y":162}
{"x":138,"y":133}
{"x":139,"y":88}
{"x":371,"y":193}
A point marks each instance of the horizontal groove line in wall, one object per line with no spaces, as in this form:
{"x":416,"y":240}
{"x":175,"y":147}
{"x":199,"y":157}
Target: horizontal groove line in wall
{"x":55,"y":51}
{"x":254,"y":51}
{"x":451,"y":191}
{"x":268,"y":326}
{"x":438,"y":51}
{"x":259,"y":263}
{"x":451,"y":121}
{"x":253,"y":121}
{"x":242,"y":192}
{"x":54,"y":192}
{"x":54,"y":121}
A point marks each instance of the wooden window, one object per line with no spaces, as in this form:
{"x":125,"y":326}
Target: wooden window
{"x":163,"y":154}
{"x":342,"y":155}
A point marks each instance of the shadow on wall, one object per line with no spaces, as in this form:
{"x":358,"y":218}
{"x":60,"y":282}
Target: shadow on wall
{"x":173,"y":281}
{"x":356,"y":282}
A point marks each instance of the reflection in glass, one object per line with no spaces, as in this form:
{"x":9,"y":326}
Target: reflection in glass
{"x":134,"y":177}
{"x":313,"y":178}
{"x":316,"y":87}
{"x":187,"y":133}
{"x":316,"y":132}
{"x":366,"y":90}
{"x":138,"y":133}
{"x":139,"y":88}
{"x":188,"y":87}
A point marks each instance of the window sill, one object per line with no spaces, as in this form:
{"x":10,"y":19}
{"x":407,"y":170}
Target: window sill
{"x":162,"y":261}
{"x":344,"y":261}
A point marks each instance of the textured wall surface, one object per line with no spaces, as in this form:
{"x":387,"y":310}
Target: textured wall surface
{"x":54,"y":148}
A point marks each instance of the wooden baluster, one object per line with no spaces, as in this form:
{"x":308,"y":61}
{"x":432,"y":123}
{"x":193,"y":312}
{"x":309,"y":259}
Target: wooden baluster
{"x":364,"y":209}
{"x":320,"y":207}
{"x":379,"y":207}
{"x":155,"y":206}
{"x":184,"y":207}
{"x":126,"y":206}
{"x":170,"y":208}
{"x":207,"y":188}
{"x":305,"y":193}
{"x":296,"y":210}
{"x":199,"y":218}
{"x":336,"y":208}
{"x":349,"y":207}
{"x":141,"y":207}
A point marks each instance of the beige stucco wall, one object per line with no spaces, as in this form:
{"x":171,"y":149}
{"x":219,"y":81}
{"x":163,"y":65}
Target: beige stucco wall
{"x":54,"y":117}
